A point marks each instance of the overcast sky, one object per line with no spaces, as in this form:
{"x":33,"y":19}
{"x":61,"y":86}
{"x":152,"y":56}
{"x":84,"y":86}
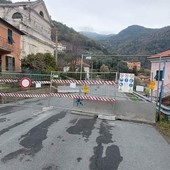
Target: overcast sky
{"x":109,"y":16}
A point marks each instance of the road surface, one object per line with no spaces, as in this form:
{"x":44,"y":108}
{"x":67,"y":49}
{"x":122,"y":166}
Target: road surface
{"x":36,"y":137}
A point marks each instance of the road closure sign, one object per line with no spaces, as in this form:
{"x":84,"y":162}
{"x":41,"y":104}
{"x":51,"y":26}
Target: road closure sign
{"x":25,"y":82}
{"x":152,"y":85}
{"x":126,"y":82}
{"x":85,"y":89}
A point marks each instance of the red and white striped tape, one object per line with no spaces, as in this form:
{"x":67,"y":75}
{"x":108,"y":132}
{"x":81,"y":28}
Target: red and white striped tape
{"x":8,"y":81}
{"x":41,"y":82}
{"x":82,"y":82}
{"x":87,"y":82}
{"x":95,"y":98}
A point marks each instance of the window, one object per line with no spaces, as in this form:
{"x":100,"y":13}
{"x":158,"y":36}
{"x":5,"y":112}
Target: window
{"x":42,"y":14}
{"x":10,"y":63}
{"x":159,"y":75}
{"x":17,"y":15}
{"x":10,"y":41}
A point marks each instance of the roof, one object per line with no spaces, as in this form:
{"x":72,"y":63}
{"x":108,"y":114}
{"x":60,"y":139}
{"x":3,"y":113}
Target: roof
{"x":162,"y":55}
{"x":11,"y":26}
{"x":78,"y":63}
{"x":26,"y":3}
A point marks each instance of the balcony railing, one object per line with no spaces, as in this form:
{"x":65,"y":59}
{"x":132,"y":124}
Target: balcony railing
{"x":5,"y":46}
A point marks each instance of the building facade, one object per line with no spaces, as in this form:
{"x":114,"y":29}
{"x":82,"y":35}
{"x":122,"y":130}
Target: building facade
{"x":10,"y":38}
{"x":158,"y":61}
{"x":33,"y":19}
{"x":134,"y":64}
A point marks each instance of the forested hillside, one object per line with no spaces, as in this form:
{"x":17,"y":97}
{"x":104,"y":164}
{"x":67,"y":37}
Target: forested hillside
{"x":138,"y":40}
{"x":69,"y":37}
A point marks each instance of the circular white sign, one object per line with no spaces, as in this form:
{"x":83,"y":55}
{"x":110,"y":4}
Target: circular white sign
{"x":25,"y":82}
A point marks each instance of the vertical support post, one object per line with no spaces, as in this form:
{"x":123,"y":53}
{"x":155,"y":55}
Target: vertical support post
{"x":81,"y":67}
{"x":157,"y":96}
{"x":162,"y":86}
{"x":151,"y":89}
{"x":91,"y":69}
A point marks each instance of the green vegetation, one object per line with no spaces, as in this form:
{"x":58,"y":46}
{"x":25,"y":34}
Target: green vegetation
{"x":164,"y":127}
{"x":39,"y":63}
{"x":132,"y":97}
{"x":70,"y":37}
{"x":138,"y":40}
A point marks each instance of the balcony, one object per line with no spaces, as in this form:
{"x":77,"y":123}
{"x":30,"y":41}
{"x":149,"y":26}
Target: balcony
{"x":4,"y":46}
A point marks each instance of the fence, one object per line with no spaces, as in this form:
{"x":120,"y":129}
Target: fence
{"x":41,"y":85}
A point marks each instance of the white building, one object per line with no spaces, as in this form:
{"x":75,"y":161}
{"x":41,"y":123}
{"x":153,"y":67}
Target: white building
{"x":60,"y":47}
{"x":33,"y":19}
{"x":85,"y":66}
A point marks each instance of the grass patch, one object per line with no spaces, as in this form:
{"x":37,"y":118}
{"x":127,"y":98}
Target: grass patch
{"x":164,"y":127}
{"x":132,"y":97}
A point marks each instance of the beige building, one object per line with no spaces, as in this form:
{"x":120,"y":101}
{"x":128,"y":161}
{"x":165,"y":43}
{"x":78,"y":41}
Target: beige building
{"x":132,"y":64}
{"x":33,"y":19}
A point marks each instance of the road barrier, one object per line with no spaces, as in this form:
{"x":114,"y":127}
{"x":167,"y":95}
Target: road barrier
{"x":12,"y":86}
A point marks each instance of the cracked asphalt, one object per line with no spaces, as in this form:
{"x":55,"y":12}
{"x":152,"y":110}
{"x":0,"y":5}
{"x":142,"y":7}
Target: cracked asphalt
{"x":36,"y":137}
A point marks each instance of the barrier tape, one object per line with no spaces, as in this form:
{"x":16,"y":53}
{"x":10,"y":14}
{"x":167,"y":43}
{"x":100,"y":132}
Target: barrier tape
{"x":81,"y":82}
{"x":8,"y":81}
{"x":95,"y":98}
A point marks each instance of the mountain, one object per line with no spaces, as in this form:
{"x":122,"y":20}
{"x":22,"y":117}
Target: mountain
{"x":96,"y":36}
{"x":138,"y":40}
{"x":5,"y":1}
{"x":70,"y":38}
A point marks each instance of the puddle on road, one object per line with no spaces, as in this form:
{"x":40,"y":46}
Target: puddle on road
{"x":32,"y":141}
{"x":82,"y":127}
{"x":8,"y":110}
{"x":3,"y":120}
{"x":112,"y":157}
{"x":13,"y":126}
{"x":79,"y":159}
{"x":50,"y":167}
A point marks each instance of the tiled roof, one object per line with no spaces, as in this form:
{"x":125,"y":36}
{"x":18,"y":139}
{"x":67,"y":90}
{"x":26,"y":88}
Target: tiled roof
{"x":78,"y":63}
{"x":163,"y":55}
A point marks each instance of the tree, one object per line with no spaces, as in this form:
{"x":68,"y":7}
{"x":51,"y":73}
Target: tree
{"x":122,"y":67}
{"x":39,"y":63}
{"x":104,"y":68}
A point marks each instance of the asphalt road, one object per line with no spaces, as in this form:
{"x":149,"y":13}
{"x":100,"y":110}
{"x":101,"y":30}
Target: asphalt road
{"x":35,"y":138}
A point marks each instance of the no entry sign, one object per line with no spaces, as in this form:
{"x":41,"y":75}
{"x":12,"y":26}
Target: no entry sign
{"x":25,"y":82}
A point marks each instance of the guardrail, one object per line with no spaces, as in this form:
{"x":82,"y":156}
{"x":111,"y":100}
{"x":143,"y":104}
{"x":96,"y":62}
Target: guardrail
{"x":164,"y":109}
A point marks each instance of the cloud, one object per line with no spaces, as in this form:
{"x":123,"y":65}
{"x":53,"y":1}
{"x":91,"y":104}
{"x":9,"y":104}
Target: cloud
{"x":110,"y":16}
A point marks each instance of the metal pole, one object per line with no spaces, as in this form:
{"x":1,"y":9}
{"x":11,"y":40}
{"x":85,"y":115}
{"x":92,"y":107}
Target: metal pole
{"x":162,"y":86}
{"x":91,"y":69}
{"x":81,"y":67}
{"x":157,"y":96}
{"x":152,"y":89}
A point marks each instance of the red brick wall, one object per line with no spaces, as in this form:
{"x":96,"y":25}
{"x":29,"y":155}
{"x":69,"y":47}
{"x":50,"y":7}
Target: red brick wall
{"x":16,"y":47}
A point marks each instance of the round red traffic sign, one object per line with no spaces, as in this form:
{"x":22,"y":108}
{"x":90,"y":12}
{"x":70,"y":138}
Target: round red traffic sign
{"x":25,"y":82}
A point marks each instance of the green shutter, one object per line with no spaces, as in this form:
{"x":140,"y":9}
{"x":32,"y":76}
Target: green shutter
{"x":13,"y":64}
{"x":7,"y":63}
{"x":0,"y":63}
{"x":10,"y":36}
